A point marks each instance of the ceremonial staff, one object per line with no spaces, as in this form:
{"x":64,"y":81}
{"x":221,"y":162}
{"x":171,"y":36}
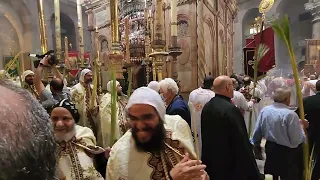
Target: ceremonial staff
{"x":43,"y":36}
{"x":261,"y":50}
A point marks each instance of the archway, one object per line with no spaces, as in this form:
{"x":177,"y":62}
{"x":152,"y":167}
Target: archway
{"x":67,"y":30}
{"x":15,"y":31}
{"x":247,"y":22}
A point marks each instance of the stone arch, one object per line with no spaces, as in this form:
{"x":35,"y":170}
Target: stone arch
{"x":67,"y":30}
{"x":211,"y":63}
{"x":247,"y":21}
{"x":16,"y":14}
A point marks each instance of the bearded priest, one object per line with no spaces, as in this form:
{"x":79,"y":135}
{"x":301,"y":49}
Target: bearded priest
{"x":76,"y":144}
{"x":158,"y":146}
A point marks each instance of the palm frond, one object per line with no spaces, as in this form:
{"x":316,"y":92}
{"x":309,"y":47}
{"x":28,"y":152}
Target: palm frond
{"x":282,"y":30}
{"x":113,"y":108}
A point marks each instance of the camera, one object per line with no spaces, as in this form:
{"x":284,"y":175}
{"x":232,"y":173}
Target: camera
{"x":52,"y":58}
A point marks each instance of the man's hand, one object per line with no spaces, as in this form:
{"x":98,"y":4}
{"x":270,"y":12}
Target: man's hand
{"x":304,"y":123}
{"x":107,"y":152}
{"x":188,"y":169}
{"x":45,"y":61}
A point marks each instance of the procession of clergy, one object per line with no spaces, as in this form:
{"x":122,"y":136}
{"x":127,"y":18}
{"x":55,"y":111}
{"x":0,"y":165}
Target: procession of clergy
{"x":159,"y":135}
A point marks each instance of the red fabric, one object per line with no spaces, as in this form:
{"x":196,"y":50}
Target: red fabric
{"x":268,"y":61}
{"x":74,"y":72}
{"x":250,"y":43}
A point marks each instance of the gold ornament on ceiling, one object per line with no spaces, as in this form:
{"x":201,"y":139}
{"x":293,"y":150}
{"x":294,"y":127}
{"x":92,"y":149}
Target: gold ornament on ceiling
{"x":265,"y":6}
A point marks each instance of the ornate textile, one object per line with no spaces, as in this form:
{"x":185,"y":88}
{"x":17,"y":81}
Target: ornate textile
{"x":105,"y":114}
{"x":75,"y":156}
{"x":79,"y":96}
{"x":127,"y":163}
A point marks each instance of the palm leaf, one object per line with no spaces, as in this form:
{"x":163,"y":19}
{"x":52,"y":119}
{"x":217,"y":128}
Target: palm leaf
{"x":113,"y":108}
{"x":260,"y":53}
{"x":282,"y":30}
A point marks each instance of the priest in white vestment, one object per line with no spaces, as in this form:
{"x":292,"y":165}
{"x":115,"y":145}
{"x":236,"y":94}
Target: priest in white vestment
{"x":81,"y":95}
{"x":76,"y":144}
{"x":258,"y":96}
{"x":197,"y":99}
{"x":105,"y":115}
{"x":158,"y":146}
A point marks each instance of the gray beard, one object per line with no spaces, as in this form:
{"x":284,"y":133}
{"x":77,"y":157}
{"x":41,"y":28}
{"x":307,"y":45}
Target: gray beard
{"x":65,"y":137}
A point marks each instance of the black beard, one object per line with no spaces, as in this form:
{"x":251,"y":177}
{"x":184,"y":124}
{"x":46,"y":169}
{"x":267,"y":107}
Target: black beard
{"x":156,"y":143}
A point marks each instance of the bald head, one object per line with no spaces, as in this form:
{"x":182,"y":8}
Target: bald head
{"x":223,"y":85}
{"x":27,"y":144}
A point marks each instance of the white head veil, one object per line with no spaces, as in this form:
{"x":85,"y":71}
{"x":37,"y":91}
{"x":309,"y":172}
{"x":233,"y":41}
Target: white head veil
{"x":110,"y":84}
{"x":26,"y":73}
{"x":83,"y":73}
{"x":147,"y":96}
{"x":154,"y":85}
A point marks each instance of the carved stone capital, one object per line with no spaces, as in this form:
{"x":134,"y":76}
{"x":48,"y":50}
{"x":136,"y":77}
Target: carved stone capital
{"x":314,"y":7}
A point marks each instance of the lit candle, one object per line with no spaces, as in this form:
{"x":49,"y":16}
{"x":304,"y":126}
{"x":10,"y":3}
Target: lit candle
{"x":174,"y":27}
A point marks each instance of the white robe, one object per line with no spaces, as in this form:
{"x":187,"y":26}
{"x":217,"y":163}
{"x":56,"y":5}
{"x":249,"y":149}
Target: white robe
{"x":74,"y":162}
{"x":198,"y":98}
{"x":240,"y":101}
{"x":260,"y":90}
{"x":127,"y":163}
{"x":105,"y":120}
{"x":78,"y":96}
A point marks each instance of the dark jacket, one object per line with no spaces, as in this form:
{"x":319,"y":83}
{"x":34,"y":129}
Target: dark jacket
{"x":311,"y":106}
{"x":179,"y":107}
{"x":226,"y":150}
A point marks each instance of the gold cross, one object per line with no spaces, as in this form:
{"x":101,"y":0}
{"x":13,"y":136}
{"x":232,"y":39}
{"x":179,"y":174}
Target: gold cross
{"x":251,"y":63}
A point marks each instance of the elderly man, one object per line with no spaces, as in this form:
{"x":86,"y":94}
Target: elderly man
{"x":27,"y":143}
{"x":281,"y":128}
{"x":105,"y":115}
{"x":158,"y":146}
{"x":175,"y":103}
{"x":154,"y":85}
{"x":77,"y":144}
{"x":28,"y":84}
{"x":226,"y":149}
{"x":81,"y":95}
{"x":197,"y":99}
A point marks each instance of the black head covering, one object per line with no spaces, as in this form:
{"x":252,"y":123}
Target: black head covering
{"x":65,"y":103}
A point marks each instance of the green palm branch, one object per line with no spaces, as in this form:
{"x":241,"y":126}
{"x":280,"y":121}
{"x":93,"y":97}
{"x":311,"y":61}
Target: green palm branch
{"x":113,"y":108}
{"x":282,"y":30}
{"x":260,"y":53}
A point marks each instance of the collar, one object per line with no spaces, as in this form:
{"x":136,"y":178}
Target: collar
{"x":223,"y":97}
{"x":280,"y":105}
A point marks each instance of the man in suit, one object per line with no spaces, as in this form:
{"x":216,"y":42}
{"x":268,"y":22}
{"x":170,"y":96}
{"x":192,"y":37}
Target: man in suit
{"x":311,"y":106}
{"x":226,"y":149}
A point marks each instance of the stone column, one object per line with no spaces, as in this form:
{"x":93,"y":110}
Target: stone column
{"x":314,"y":7}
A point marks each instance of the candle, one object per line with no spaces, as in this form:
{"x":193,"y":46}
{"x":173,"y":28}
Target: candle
{"x":174,"y":11}
{"x":174,"y":27}
{"x":90,"y":19}
{"x":145,"y":3}
{"x":66,"y":49}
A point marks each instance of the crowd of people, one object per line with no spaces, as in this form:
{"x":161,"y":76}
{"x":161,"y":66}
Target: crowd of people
{"x":57,"y":132}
